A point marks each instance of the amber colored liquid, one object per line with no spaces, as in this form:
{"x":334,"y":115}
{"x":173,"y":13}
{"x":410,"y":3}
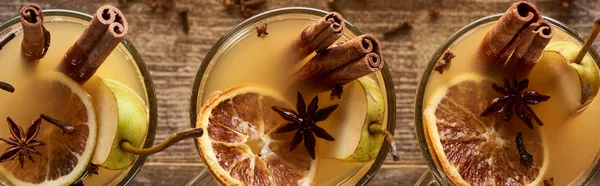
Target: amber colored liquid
{"x":118,"y":67}
{"x":571,"y":141}
{"x":261,"y":61}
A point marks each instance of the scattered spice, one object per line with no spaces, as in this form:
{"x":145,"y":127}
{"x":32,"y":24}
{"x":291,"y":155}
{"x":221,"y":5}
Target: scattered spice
{"x":7,"y":87}
{"x":22,"y":143}
{"x":164,"y":5}
{"x":526,"y":158}
{"x":261,"y":30}
{"x":515,"y":97}
{"x":90,"y":169}
{"x":183,"y":15}
{"x":402,"y":28}
{"x":549,"y":182}
{"x":65,"y":127}
{"x":247,"y":7}
{"x":153,"y":5}
{"x":434,"y":12}
{"x":443,"y":64}
{"x":333,"y":5}
{"x":304,"y":122}
{"x":566,"y":3}
{"x":7,"y":39}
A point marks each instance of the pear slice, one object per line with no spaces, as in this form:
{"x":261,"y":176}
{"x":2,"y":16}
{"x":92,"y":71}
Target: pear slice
{"x":107,"y":112}
{"x":567,"y":52}
{"x":370,"y":142}
{"x":123,"y":117}
{"x":361,"y":143}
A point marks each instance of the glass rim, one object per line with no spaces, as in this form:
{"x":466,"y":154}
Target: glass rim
{"x":141,"y":66}
{"x":430,"y":66}
{"x":386,"y":75}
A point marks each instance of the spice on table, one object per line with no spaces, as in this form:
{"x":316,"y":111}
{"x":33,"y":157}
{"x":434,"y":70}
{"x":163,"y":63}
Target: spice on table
{"x":333,"y":5}
{"x":566,"y":3}
{"x":403,"y":28}
{"x":261,"y":30}
{"x":443,"y":64}
{"x":105,"y":31}
{"x":183,"y":16}
{"x":320,"y":35}
{"x":36,"y":39}
{"x":434,"y":12}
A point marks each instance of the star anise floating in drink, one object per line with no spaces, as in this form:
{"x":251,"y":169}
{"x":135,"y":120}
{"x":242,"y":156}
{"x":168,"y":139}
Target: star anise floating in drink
{"x":304,"y":122}
{"x":514,"y":98}
{"x":22,"y":144}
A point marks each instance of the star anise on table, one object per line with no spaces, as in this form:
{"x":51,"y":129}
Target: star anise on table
{"x":515,"y":98}
{"x":305,"y":123}
{"x":22,"y":144}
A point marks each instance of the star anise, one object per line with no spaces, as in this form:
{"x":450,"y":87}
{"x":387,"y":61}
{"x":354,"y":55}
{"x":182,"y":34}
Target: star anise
{"x":304,"y":122}
{"x":514,"y":98}
{"x":22,"y":144}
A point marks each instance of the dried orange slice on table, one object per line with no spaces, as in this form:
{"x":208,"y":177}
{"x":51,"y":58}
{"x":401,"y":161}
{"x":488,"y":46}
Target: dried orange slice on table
{"x":475,"y":150}
{"x":241,"y":147}
{"x":64,"y":157}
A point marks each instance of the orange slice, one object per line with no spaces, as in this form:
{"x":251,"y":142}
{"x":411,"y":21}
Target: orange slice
{"x":65,"y":157}
{"x":474,"y":150}
{"x":241,"y":149}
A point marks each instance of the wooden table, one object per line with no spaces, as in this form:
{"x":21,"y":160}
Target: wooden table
{"x":174,"y":57}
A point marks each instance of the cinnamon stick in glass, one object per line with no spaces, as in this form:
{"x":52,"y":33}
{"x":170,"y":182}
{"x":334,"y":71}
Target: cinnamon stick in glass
{"x":342,"y":64}
{"x":513,"y":29}
{"x":320,"y":35}
{"x":106,"y":30}
{"x":36,"y":39}
{"x":339,"y":56}
{"x":528,"y":53}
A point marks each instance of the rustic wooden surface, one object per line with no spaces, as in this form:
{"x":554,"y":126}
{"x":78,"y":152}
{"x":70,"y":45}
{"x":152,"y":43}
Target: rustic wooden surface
{"x":173,"y":58}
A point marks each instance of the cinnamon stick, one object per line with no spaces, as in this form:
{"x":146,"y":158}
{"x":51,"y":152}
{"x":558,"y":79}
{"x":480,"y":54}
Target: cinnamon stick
{"x":369,"y":63}
{"x":342,"y":64}
{"x":106,"y":30}
{"x":338,"y":56}
{"x":36,"y":39}
{"x":527,"y":54}
{"x":320,"y":35}
{"x":513,"y":29}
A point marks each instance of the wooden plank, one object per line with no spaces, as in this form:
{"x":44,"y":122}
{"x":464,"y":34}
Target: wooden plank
{"x":173,"y":58}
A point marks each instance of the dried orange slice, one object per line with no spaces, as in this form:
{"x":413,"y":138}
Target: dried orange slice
{"x":65,"y":157}
{"x":241,"y":148}
{"x":474,"y":150}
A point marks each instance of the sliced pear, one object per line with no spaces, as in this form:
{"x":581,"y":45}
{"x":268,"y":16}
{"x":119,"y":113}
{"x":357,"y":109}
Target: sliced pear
{"x":107,"y":112}
{"x":361,"y":143}
{"x":567,"y":52}
{"x":132,"y":127}
{"x":370,"y":142}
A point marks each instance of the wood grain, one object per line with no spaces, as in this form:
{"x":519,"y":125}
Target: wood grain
{"x":173,"y":58}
